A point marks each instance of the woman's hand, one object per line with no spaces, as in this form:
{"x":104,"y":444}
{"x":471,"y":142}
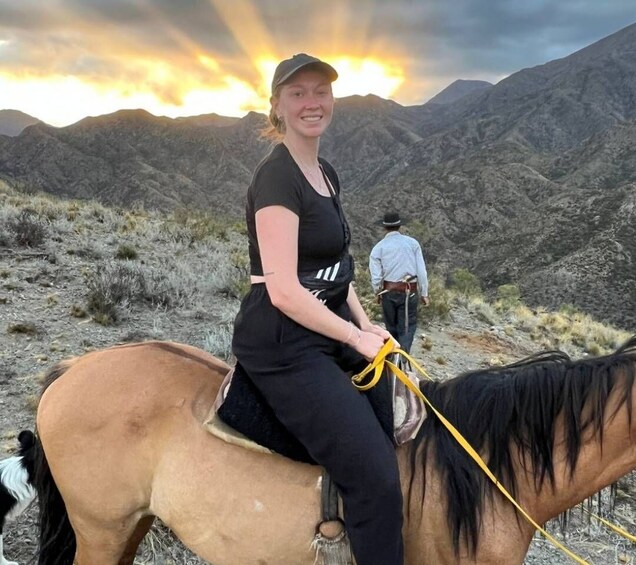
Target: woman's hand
{"x":369,"y":345}
{"x":375,"y":329}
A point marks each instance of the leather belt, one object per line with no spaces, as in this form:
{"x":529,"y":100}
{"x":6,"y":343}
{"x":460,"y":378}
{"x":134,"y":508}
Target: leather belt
{"x":400,"y":286}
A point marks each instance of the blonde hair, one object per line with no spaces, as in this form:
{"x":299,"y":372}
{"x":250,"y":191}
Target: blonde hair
{"x":275,"y":131}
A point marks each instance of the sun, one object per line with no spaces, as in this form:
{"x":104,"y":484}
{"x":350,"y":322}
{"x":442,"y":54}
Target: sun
{"x":366,"y":76}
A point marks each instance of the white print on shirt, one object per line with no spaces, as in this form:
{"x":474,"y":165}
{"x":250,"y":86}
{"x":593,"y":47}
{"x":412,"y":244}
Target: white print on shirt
{"x":316,"y":293}
{"x":328,"y":274}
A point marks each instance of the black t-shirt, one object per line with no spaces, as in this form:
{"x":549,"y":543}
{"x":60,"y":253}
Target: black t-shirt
{"x":322,"y":230}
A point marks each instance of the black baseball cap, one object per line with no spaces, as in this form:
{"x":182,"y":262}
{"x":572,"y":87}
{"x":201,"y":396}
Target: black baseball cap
{"x":288,"y":67}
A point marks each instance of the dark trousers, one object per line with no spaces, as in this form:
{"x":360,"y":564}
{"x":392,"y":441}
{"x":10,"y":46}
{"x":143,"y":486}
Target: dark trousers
{"x":300,"y":374}
{"x":394,"y":312}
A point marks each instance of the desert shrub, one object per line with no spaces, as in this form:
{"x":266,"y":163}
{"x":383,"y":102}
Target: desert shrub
{"x":364,"y":290}
{"x":464,"y":282}
{"x":594,"y":349}
{"x":568,"y":310}
{"x":97,"y":212}
{"x":419,"y":230}
{"x":129,"y":224}
{"x":441,"y":300}
{"x":592,"y":336}
{"x":113,"y":286}
{"x":484,"y":312}
{"x":240,"y":284}
{"x":227,"y":268}
{"x":48,"y":209}
{"x":85,"y":252}
{"x":508,"y":296}
{"x":171,"y":288}
{"x":24,"y":328}
{"x":76,"y":311}
{"x":556,"y":323}
{"x":218,"y":341}
{"x":523,"y":318}
{"x":28,"y":227}
{"x":126,"y":252}
{"x":196,"y":226}
{"x":6,"y":237}
{"x":110,"y":286}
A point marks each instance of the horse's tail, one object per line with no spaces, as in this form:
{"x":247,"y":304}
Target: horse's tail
{"x":57,"y":539}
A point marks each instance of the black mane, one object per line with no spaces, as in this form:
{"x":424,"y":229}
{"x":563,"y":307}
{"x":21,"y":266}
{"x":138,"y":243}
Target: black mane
{"x":515,"y":405}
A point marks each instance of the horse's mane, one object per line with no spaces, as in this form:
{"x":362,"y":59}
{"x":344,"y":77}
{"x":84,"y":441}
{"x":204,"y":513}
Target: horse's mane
{"x":515,"y":406}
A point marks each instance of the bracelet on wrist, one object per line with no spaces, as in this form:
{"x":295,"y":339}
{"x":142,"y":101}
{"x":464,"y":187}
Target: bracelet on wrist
{"x":359,"y":338}
{"x":353,"y":329}
{"x":348,"y":338}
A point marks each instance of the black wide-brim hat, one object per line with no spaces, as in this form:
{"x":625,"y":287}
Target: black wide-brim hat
{"x":288,"y":67}
{"x":391,"y":220}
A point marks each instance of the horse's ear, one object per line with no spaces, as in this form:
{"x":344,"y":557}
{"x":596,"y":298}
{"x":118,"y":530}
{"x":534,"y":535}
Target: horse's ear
{"x":26,"y":439}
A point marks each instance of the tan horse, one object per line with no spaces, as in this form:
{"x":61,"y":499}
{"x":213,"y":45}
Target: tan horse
{"x":122,"y":436}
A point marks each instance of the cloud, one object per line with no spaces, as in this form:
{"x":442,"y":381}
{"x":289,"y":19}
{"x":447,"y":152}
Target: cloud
{"x":172,"y":48}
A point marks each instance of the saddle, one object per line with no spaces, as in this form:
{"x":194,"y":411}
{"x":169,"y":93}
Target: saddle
{"x":241,"y":416}
{"x":241,"y":408}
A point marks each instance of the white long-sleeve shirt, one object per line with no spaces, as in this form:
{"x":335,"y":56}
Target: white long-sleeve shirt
{"x":395,"y":257}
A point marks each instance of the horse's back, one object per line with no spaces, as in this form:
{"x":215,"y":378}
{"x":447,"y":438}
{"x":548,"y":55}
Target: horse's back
{"x":119,"y":409}
{"x":136,"y":378}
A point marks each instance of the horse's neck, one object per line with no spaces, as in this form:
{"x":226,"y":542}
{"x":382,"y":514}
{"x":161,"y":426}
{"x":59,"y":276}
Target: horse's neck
{"x":597,"y":466}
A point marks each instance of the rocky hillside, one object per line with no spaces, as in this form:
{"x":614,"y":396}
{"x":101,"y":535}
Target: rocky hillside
{"x":528,"y":181}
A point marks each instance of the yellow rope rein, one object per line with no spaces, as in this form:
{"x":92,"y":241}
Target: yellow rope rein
{"x":380,"y":363}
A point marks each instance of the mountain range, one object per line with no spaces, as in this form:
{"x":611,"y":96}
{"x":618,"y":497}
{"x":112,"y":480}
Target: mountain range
{"x":13,"y":122}
{"x":529,"y":181}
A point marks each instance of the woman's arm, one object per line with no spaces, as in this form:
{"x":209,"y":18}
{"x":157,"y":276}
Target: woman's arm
{"x":360,"y":316}
{"x":277,"y":234}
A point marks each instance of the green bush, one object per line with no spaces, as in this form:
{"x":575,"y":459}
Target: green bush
{"x":508,"y":296}
{"x":419,"y":230}
{"x":441,"y":301}
{"x":127,"y":252}
{"x":464,"y":282}
{"x":240,"y":283}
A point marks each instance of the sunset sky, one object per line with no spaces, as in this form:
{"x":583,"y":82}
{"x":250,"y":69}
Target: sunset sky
{"x":62,"y":60}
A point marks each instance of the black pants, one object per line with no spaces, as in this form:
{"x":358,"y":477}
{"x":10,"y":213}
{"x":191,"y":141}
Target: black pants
{"x":394,"y":313}
{"x":300,"y":373}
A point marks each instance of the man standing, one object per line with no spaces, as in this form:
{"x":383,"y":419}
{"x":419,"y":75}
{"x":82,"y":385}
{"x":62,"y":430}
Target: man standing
{"x":398,"y":276}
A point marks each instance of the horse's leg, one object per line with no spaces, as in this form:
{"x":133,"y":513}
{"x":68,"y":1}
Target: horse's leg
{"x":108,"y":543}
{"x":133,"y":543}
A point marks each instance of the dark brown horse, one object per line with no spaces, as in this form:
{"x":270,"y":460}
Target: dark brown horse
{"x":122,"y":441}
